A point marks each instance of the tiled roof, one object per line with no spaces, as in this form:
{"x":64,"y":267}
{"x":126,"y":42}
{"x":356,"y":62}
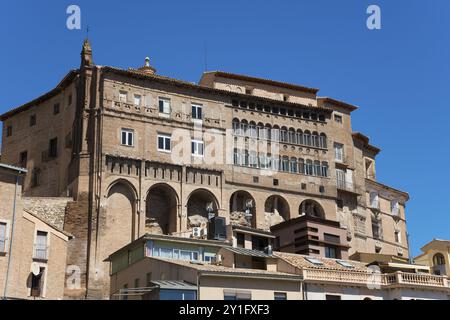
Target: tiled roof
{"x":248,"y":252}
{"x":50,"y":210}
{"x":300,"y":261}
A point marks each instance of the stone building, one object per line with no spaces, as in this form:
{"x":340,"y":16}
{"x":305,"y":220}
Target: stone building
{"x":33,"y":246}
{"x":143,"y":153}
{"x":436,"y":255}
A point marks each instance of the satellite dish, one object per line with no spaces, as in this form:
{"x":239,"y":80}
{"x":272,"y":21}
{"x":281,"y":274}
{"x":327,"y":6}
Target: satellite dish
{"x":35,"y":269}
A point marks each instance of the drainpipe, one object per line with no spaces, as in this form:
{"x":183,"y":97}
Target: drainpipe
{"x":5,"y":291}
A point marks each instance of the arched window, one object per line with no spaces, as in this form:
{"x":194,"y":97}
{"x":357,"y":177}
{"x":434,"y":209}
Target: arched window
{"x":438,"y":259}
{"x":292,"y":138}
{"x":309,"y":168}
{"x":317,"y":168}
{"x":323,"y":141}
{"x":275,"y":133}
{"x":294,"y":165}
{"x":284,"y":134}
{"x":244,"y":128}
{"x":252,"y":130}
{"x":285,"y":164}
{"x":311,"y":208}
{"x":236,"y":126}
{"x":325,"y":169}
{"x":301,"y":166}
{"x":315,"y":140}
{"x":307,"y":138}
{"x":268,"y":128}
{"x":261,"y":131}
{"x":300,"y":137}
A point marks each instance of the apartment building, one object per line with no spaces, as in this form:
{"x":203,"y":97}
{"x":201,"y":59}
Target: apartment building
{"x":32,"y":248}
{"x":143,"y":153}
{"x":164,"y":267}
{"x":436,"y":255}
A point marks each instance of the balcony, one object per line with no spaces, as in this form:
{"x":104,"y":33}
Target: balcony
{"x":376,"y":279}
{"x":345,"y":185}
{"x":40,"y":252}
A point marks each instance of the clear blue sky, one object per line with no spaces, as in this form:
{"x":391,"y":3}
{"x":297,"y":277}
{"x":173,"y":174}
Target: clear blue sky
{"x":399,"y":75}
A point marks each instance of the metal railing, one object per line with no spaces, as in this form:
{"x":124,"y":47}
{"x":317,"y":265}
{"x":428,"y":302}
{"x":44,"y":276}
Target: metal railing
{"x":345,"y":185}
{"x":40,"y":252}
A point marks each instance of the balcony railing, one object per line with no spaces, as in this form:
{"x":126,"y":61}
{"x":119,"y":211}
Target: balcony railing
{"x":345,"y":185}
{"x":40,"y":252}
{"x":412,"y":279}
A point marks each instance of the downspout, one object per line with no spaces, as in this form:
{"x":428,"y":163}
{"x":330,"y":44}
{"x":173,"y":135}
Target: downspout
{"x":5,"y":291}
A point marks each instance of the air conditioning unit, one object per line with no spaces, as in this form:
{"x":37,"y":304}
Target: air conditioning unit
{"x":400,"y":250}
{"x":196,"y":232}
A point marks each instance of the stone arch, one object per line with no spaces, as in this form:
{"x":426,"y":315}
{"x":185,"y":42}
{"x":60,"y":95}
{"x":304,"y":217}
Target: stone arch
{"x":242,"y":205}
{"x":276,"y":210}
{"x":311,"y":208}
{"x":120,"y":220}
{"x":161,"y":209}
{"x":200,"y":203}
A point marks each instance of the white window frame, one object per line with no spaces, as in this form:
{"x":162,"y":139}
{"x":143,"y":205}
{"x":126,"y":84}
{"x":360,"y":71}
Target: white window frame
{"x":195,"y":149}
{"x":47,"y":242}
{"x":196,"y":106}
{"x":165,"y":137}
{"x":6,"y":239}
{"x":395,"y":207}
{"x":137,"y":100}
{"x":122,"y":94}
{"x":167,"y":108}
{"x":127,"y":142}
{"x":339,"y":152}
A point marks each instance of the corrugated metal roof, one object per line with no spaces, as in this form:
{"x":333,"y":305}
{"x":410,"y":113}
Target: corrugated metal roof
{"x":14,"y":168}
{"x":251,"y":253}
{"x":174,"y":285}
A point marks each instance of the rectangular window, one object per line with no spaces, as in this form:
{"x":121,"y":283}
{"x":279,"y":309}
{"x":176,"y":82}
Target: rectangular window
{"x":9,"y":131}
{"x":233,"y":295}
{"x":280,"y":296}
{"x":394,"y":207}
{"x":240,"y":239}
{"x":330,"y":252}
{"x":123,"y":96}
{"x":3,"y":236}
{"x":137,"y":99}
{"x":339,"y":152}
{"x":70,"y":100}
{"x":164,"y":142}
{"x":164,"y":106}
{"x":127,"y":137}
{"x":197,"y":148}
{"x":136,"y":283}
{"x":376,"y":229}
{"x":197,"y":112}
{"x":56,"y":108}
{"x":23,"y":159}
{"x":40,"y":246}
{"x":397,"y":235}
{"x":32,"y":120}
{"x":338,"y":118}
{"x":53,"y":148}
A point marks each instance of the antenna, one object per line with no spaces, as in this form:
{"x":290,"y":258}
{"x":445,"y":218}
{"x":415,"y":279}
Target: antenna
{"x":206,"y":55}
{"x":87,"y":32}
